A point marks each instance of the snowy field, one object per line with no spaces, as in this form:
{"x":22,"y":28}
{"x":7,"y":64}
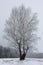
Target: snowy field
{"x":16,"y":61}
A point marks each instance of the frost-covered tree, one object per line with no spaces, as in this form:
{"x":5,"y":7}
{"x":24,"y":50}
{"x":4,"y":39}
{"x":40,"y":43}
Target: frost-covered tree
{"x":21,"y":29}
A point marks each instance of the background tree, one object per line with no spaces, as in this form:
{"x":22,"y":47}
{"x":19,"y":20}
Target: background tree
{"x":21,"y":29}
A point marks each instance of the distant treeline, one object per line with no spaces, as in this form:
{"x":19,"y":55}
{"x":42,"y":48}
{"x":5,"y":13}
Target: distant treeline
{"x":6,"y":52}
{"x":35,"y":55}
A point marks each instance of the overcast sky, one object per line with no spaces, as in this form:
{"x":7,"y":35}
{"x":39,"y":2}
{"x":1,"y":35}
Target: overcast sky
{"x":5,"y":10}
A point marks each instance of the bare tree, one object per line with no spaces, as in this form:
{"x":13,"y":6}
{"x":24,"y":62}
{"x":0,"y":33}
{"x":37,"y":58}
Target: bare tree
{"x":21,"y":29}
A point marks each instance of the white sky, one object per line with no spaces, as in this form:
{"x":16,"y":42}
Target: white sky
{"x":5,"y":10}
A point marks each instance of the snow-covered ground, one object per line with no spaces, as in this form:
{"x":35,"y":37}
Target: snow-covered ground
{"x":16,"y":61}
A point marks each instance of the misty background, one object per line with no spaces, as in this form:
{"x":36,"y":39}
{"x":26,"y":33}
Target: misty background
{"x":5,"y":10}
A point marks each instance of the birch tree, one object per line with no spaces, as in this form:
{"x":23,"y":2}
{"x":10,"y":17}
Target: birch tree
{"x":21,"y":29}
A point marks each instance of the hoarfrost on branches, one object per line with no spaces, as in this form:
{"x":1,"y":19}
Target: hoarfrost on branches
{"x":21,"y":27}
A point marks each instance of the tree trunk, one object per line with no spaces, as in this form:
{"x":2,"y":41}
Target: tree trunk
{"x":22,"y":57}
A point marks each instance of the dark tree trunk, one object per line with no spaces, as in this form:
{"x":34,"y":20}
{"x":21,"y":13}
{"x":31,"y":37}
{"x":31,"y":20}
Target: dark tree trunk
{"x":22,"y":57}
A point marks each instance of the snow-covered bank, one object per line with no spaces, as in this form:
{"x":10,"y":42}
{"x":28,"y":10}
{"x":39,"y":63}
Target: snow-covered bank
{"x":16,"y":61}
